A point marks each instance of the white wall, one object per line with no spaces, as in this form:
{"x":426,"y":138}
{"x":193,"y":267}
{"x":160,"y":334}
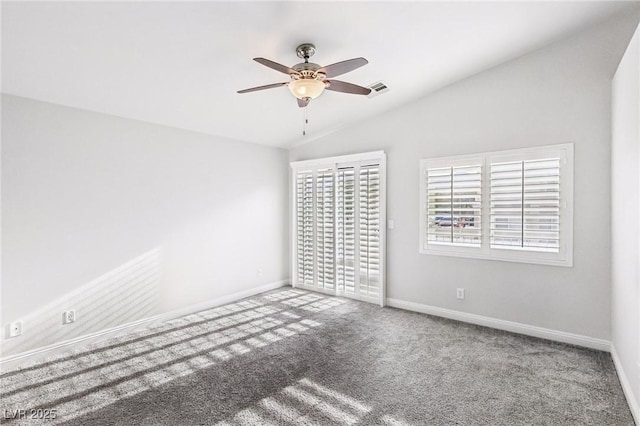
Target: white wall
{"x":121,"y":219}
{"x":561,"y":93}
{"x":625,"y":218}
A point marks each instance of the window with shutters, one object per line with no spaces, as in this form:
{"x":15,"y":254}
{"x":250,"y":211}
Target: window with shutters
{"x":514,"y":205}
{"x":454,"y":194}
{"x":338,"y":233}
{"x":369,"y":253}
{"x":325,"y":247}
{"x":525,"y":204}
{"x":346,"y":230}
{"x":304,"y":226}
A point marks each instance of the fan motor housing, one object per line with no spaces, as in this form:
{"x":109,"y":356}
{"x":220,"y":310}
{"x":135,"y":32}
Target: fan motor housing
{"x":307,"y":71}
{"x":306,"y":66}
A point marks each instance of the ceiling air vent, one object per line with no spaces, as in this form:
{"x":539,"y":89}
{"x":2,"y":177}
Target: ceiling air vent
{"x":378,"y":89}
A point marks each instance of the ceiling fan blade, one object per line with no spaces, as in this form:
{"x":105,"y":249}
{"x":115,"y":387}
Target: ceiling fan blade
{"x":276,"y":66}
{"x":341,"y":86}
{"x":303,"y":102}
{"x":268,"y":86}
{"x":343,"y":67}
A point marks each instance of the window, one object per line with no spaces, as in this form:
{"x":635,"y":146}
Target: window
{"x":454,"y":196}
{"x":324,"y":229}
{"x":304,"y":226}
{"x":512,"y":205}
{"x":369,"y":251}
{"x":525,"y":204}
{"x":346,"y":230}
{"x":338,"y":233}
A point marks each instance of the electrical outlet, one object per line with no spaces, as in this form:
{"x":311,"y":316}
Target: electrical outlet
{"x":460,"y":293}
{"x":15,"y":329}
{"x":68,"y":317}
{"x":259,"y":272}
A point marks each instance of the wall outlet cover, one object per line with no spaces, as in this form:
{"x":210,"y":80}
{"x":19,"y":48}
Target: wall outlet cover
{"x":15,"y":329}
{"x":68,"y":317}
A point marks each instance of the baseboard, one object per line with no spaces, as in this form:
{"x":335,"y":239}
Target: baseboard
{"x":13,"y":361}
{"x":634,"y":406}
{"x":515,"y":327}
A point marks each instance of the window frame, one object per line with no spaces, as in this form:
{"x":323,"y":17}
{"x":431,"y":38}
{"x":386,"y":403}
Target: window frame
{"x":564,"y":256}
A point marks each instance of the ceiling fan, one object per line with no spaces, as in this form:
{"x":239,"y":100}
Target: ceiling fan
{"x":309,"y":80}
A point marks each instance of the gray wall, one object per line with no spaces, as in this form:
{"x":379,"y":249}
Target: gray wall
{"x":120,"y":219}
{"x":625,"y":216}
{"x":561,"y":93}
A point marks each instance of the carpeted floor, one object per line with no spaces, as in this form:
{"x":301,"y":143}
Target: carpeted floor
{"x":295,"y":357}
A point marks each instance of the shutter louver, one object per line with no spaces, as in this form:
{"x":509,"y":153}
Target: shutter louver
{"x":325,"y":250}
{"x":346,"y":232}
{"x":525,"y":204}
{"x":369,"y":238}
{"x":454,"y":205}
{"x":304,"y":220}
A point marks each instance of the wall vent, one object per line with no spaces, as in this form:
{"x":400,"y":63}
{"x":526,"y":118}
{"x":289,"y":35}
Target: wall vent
{"x":378,"y":88}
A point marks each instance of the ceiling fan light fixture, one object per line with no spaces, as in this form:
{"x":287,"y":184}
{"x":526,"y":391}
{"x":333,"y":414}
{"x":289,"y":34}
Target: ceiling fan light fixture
{"x":309,"y":80}
{"x":306,"y":88}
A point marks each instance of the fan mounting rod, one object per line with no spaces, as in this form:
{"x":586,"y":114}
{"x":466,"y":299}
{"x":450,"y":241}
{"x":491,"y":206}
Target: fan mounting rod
{"x":305,"y":51}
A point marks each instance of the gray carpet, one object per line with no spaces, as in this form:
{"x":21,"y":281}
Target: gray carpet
{"x":295,"y":357}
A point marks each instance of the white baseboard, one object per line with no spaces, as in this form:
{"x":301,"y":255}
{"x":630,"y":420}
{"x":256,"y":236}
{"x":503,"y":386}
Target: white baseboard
{"x":634,"y":404}
{"x":515,"y":327}
{"x":13,"y":361}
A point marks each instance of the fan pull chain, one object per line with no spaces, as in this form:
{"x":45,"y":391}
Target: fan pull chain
{"x":305,"y":120}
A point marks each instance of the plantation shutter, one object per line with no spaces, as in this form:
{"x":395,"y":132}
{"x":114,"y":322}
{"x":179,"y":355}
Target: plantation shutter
{"x":337,"y":239}
{"x":454,"y":210}
{"x":525,"y":204}
{"x":304,"y":231}
{"x":325,"y":249}
{"x":346,"y":230}
{"x":369,"y":230}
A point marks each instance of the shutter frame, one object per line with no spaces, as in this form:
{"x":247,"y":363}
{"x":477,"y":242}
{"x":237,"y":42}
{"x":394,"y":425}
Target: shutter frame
{"x":547,"y":217}
{"x":352,"y":277}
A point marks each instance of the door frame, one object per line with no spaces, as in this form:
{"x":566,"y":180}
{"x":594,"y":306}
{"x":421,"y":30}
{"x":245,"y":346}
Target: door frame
{"x":378,"y":157}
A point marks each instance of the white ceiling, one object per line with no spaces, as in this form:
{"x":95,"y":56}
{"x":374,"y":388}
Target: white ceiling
{"x":181,"y":63}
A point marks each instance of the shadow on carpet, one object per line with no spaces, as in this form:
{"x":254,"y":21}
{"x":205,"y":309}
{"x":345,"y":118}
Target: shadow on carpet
{"x":295,"y":357}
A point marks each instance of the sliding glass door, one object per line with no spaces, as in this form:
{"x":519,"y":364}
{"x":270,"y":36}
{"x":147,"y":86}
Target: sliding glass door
{"x":338,"y":226}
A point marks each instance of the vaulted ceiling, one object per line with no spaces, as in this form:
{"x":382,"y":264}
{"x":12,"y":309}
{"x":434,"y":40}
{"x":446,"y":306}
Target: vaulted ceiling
{"x":180,"y":63}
